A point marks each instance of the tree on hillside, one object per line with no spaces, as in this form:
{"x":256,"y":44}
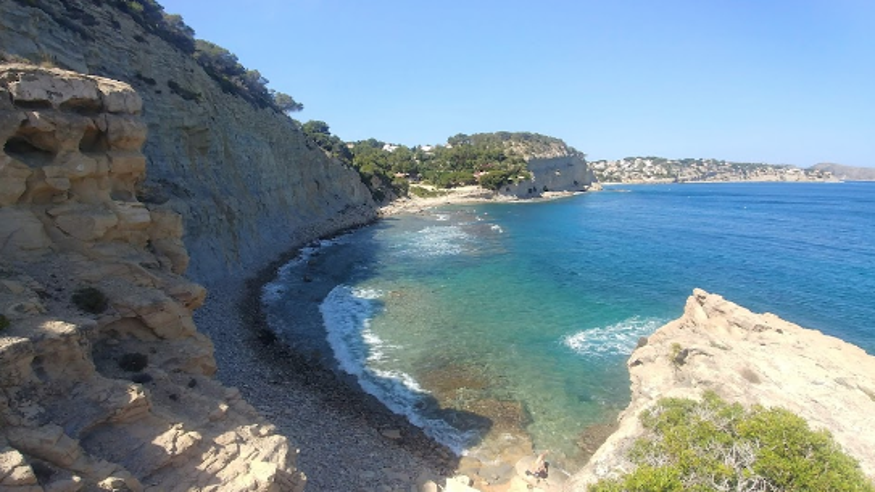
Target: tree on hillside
{"x":178,"y":33}
{"x":219,"y":63}
{"x":215,"y":58}
{"x":320,"y":133}
{"x":151,"y":16}
{"x":316,"y":127}
{"x":459,"y":139}
{"x":285,"y":102}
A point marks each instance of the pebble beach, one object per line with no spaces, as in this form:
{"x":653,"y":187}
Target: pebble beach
{"x":348,"y":440}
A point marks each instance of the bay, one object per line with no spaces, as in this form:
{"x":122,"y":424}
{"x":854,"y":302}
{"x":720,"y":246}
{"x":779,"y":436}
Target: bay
{"x":501,"y":326}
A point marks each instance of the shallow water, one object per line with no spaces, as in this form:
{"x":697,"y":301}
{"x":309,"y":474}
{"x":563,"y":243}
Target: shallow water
{"x":525,"y":313}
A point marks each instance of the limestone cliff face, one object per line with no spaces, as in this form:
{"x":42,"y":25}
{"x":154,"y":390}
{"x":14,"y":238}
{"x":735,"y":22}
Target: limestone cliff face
{"x":114,"y":393}
{"x":554,"y":167}
{"x":246,"y":180}
{"x":751,"y":359}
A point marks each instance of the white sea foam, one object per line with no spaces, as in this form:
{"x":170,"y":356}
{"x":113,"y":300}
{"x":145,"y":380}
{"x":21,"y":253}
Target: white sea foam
{"x":274,"y":290}
{"x":307,"y":252}
{"x":347,"y":314}
{"x":435,"y":241}
{"x":617,"y":339}
{"x":496,"y":227}
{"x":369,"y":294}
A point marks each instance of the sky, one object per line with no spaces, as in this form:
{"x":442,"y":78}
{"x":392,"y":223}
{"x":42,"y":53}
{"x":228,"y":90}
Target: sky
{"x":777,"y":81}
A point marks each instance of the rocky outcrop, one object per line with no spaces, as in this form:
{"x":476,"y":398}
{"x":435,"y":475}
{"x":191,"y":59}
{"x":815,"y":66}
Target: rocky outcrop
{"x":553,"y":167}
{"x":105,"y":384}
{"x":564,"y":172}
{"x":248,"y":182}
{"x":751,"y":359}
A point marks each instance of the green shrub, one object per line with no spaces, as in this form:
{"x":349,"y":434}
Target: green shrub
{"x":678,"y":354}
{"x":712,"y":445}
{"x":4,"y":322}
{"x":187,"y":94}
{"x":426,"y":193}
{"x":90,"y":300}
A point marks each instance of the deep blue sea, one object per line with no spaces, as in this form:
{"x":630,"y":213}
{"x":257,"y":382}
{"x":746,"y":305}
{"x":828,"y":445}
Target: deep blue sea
{"x":540,"y":304}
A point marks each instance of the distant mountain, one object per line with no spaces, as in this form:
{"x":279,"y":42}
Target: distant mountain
{"x":847,"y":173}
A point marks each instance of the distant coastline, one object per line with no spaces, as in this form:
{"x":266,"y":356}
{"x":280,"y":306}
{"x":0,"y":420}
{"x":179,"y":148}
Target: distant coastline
{"x":668,"y":182}
{"x":662,"y":170}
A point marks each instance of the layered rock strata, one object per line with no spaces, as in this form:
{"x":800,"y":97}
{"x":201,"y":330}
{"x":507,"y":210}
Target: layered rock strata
{"x":105,"y":384}
{"x":753,"y":359}
{"x":250,"y":185}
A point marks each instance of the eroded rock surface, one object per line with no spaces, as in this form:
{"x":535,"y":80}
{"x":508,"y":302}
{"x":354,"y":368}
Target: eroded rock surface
{"x":109,"y":393}
{"x":753,"y":359}
{"x":249,"y":183}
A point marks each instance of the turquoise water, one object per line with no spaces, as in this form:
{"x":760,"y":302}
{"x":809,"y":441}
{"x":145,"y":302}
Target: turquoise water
{"x":540,"y":304}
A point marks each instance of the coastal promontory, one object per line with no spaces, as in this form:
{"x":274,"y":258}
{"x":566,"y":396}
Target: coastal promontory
{"x":751,"y":359}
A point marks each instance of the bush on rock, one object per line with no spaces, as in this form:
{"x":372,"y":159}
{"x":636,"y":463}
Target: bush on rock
{"x":90,"y":300}
{"x":712,"y":445}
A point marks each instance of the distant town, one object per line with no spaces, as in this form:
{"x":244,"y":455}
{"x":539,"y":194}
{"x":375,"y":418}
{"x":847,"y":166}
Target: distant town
{"x":662,"y":170}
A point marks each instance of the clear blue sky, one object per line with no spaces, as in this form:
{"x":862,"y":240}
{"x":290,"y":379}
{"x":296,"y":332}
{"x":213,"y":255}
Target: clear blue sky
{"x":780,"y":81}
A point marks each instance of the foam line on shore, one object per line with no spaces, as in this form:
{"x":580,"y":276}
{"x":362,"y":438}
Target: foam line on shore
{"x":274,"y":290}
{"x":347,"y":313}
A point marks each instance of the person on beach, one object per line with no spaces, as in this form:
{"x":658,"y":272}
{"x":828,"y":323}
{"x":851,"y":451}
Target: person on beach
{"x":539,"y":468}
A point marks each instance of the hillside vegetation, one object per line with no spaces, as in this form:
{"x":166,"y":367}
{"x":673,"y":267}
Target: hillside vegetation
{"x":491,"y":160}
{"x":712,"y":445}
{"x":222,"y":65}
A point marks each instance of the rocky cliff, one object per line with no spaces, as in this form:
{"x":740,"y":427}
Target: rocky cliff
{"x":104,"y":381}
{"x":246,"y":180}
{"x":568,"y":172}
{"x":751,"y":359}
{"x":553,"y":166}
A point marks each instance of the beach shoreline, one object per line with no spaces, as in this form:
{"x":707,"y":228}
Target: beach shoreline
{"x":464,"y":195}
{"x":348,"y":440}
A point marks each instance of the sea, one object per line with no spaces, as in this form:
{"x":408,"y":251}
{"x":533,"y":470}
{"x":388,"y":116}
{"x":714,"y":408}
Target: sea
{"x":512,"y":322}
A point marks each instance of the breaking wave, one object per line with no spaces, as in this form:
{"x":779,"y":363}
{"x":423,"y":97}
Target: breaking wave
{"x":618,"y":339}
{"x":437,"y":241}
{"x":274,"y":290}
{"x":347,"y":314}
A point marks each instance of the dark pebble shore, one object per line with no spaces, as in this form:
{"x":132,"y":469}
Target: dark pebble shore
{"x":348,"y":439}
